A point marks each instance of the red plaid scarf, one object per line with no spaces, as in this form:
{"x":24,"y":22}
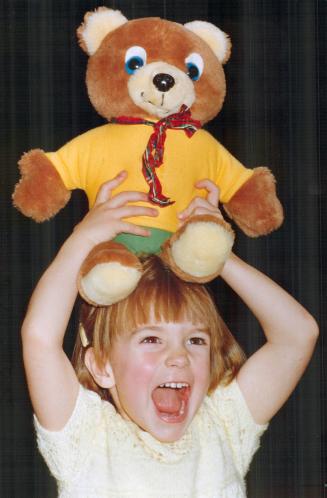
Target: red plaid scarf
{"x":153,"y":154}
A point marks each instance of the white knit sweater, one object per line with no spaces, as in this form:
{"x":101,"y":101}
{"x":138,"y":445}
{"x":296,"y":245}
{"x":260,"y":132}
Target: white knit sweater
{"x":99,"y":454}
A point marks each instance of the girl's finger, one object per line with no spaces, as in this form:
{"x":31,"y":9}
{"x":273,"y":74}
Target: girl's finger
{"x":134,"y":229}
{"x":201,"y":210}
{"x":122,"y":198}
{"x":212,"y":189}
{"x":130,"y":211}
{"x":106,"y":188}
{"x":196,"y":203}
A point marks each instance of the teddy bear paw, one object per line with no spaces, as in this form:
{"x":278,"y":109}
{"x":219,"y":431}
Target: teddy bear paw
{"x":109,"y":274}
{"x":198,"y":251}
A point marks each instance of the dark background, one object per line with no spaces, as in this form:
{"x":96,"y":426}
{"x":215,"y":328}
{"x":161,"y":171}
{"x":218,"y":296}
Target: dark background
{"x":273,"y":115}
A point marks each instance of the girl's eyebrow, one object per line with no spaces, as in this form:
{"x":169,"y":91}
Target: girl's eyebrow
{"x":160,"y":328}
{"x":203,"y":330}
{"x":153,"y":328}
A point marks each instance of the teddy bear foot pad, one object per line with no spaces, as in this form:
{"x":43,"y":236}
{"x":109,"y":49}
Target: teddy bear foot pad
{"x":198,"y":251}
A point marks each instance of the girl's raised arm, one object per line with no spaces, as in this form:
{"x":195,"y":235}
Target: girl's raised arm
{"x":52,"y":382}
{"x":270,"y":375}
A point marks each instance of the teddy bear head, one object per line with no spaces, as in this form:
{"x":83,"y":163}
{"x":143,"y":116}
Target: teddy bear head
{"x":151,"y":67}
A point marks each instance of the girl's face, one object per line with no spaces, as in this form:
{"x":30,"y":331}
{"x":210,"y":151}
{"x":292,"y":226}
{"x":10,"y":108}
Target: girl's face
{"x":173,"y":355}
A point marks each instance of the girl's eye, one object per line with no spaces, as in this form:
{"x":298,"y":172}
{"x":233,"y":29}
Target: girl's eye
{"x":198,"y":341}
{"x":135,"y":58}
{"x":150,"y":340}
{"x":194,"y":64}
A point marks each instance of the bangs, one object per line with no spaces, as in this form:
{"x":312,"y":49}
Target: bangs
{"x":162,"y":297}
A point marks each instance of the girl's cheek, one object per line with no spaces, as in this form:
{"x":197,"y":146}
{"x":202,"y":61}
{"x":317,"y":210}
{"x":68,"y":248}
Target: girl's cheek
{"x":149,"y":362}
{"x":201,"y":364}
{"x":144,"y":366}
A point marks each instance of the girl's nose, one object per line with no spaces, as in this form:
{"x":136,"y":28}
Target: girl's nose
{"x":177,"y":359}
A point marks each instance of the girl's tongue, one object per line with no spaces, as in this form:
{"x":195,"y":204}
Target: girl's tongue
{"x":169,"y":400}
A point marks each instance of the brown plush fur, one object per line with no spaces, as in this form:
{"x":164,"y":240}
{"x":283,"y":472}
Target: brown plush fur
{"x":163,"y":41}
{"x":109,"y":251}
{"x":166,"y":255}
{"x":255,"y":207}
{"x":40,"y":193}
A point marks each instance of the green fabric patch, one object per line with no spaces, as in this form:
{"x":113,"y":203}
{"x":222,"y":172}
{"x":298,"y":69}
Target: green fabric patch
{"x":146,"y":245}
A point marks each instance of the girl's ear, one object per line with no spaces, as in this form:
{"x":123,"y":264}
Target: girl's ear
{"x":102,"y":375}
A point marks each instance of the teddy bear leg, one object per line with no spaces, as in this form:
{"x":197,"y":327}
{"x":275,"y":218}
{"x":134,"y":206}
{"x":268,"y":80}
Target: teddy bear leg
{"x":109,"y":274}
{"x":198,"y":251}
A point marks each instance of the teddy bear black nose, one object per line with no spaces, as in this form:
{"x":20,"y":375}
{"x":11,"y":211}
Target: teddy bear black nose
{"x":163,"y":82}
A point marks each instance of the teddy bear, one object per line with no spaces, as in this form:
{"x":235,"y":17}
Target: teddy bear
{"x":156,"y":83}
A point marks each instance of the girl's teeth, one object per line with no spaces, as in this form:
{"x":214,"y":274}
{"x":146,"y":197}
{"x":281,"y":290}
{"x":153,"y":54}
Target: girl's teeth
{"x":174,"y":385}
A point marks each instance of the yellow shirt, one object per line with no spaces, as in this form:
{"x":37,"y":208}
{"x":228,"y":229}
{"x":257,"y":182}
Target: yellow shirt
{"x":98,"y":155}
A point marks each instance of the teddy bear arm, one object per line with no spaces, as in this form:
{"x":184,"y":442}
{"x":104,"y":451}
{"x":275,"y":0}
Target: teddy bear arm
{"x":255,"y":207}
{"x":40,"y":193}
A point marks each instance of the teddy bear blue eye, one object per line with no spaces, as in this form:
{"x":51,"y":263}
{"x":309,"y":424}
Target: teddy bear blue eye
{"x":135,"y":58}
{"x":194,"y":64}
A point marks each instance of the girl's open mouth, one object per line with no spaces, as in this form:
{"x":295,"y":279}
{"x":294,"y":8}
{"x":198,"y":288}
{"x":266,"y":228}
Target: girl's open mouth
{"x":171,"y":401}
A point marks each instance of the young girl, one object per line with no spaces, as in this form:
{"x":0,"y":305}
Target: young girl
{"x":162,"y":403}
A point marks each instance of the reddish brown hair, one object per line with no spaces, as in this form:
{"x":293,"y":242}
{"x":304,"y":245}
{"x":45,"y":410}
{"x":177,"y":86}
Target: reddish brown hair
{"x":163,"y":297}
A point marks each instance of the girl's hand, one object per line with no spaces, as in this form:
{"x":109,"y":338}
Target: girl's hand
{"x":106,"y":218}
{"x":198,"y":205}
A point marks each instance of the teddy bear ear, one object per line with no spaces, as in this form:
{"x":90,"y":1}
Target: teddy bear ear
{"x":217,"y":40}
{"x":96,"y":26}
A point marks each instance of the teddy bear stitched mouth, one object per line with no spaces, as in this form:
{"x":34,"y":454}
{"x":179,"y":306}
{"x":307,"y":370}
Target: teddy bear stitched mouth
{"x":170,"y":400}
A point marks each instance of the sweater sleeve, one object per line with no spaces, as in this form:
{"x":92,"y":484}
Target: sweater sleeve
{"x":241,"y":431}
{"x":67,"y":450}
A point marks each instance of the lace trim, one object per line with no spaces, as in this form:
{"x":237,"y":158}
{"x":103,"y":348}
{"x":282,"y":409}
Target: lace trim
{"x":165,"y":452}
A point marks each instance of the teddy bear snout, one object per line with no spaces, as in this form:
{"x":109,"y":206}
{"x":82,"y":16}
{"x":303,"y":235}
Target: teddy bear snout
{"x":161,"y":89}
{"x":163,"y":82}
